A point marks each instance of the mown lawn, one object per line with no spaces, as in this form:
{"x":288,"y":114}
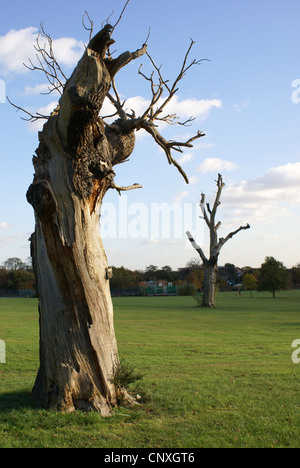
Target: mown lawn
{"x":213,"y":378}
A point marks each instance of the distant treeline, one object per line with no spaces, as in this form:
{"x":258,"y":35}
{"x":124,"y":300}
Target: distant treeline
{"x":189,"y":279}
{"x":16,"y":275}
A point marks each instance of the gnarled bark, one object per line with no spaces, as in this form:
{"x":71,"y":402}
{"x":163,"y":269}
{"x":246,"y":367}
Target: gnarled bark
{"x":73,"y":171}
{"x":74,"y":168}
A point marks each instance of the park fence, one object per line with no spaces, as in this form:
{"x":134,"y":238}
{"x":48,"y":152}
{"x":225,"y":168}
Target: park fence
{"x":157,"y":290}
{"x":24,"y":293}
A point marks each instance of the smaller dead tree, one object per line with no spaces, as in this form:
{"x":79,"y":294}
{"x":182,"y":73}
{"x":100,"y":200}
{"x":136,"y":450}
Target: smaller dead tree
{"x":211,"y":264}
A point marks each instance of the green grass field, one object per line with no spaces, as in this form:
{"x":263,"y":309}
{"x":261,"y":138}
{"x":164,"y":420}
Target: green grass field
{"x":213,"y":378}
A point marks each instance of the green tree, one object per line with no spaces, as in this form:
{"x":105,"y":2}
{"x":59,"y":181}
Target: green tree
{"x":250,"y":282}
{"x":195,"y":273}
{"x":20,"y":279}
{"x":3,"y":278}
{"x":167,"y":274}
{"x":295,"y":273}
{"x":151,"y":272}
{"x":232,"y":273}
{"x":123,"y":278}
{"x":273,"y":276}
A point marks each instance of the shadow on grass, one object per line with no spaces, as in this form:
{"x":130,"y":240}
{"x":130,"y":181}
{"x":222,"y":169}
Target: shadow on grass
{"x":276,"y":298}
{"x":16,"y":400}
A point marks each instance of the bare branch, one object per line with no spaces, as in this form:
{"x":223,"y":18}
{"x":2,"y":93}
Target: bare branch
{"x":149,"y":33}
{"x":32,"y":117}
{"x":208,"y":208}
{"x":49,"y":66}
{"x":117,"y":102}
{"x":53,"y":62}
{"x":220,"y":185}
{"x":209,"y":218}
{"x":125,"y":189}
{"x":172,"y":90}
{"x":162,"y":85}
{"x":108,"y":117}
{"x":155,"y":111}
{"x":107,"y":20}
{"x":211,"y":263}
{"x":202,"y":206}
{"x":91,"y":28}
{"x":157,"y":69}
{"x":223,"y":241}
{"x":47,"y":63}
{"x":196,"y":247}
{"x":114,"y":65}
{"x":168,"y":146}
{"x":120,"y":17}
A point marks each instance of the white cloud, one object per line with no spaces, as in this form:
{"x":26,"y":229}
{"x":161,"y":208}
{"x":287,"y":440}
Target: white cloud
{"x":17,"y":46}
{"x":48,"y":109}
{"x":203,"y":145}
{"x":169,"y":242}
{"x":138,"y":104}
{"x":37,"y":89}
{"x":193,"y":180}
{"x":181,"y":196}
{"x":184,"y":109}
{"x":266,"y":237}
{"x":68,"y":51}
{"x":268,"y":197}
{"x":186,"y":157}
{"x":12,"y":238}
{"x":5,"y":226}
{"x":282,"y":179}
{"x":242,"y":106}
{"x":278,"y":184}
{"x":216,"y":165}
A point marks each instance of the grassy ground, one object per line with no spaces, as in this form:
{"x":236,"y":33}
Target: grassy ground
{"x":213,"y":378}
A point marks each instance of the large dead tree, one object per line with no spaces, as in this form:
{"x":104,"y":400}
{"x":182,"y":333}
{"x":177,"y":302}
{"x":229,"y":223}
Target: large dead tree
{"x":211,"y":264}
{"x":74,"y":168}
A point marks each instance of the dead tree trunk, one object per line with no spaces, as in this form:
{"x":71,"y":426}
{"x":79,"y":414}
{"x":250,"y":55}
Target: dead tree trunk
{"x":211,"y":264}
{"x":209,"y":285}
{"x":73,"y":171}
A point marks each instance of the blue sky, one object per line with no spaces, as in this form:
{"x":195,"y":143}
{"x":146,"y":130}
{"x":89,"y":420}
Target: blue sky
{"x":245,"y":99}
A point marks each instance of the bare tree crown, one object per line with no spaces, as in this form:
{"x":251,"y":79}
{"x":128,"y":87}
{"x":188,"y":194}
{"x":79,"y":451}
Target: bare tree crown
{"x":162,"y":91}
{"x":209,"y":216}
